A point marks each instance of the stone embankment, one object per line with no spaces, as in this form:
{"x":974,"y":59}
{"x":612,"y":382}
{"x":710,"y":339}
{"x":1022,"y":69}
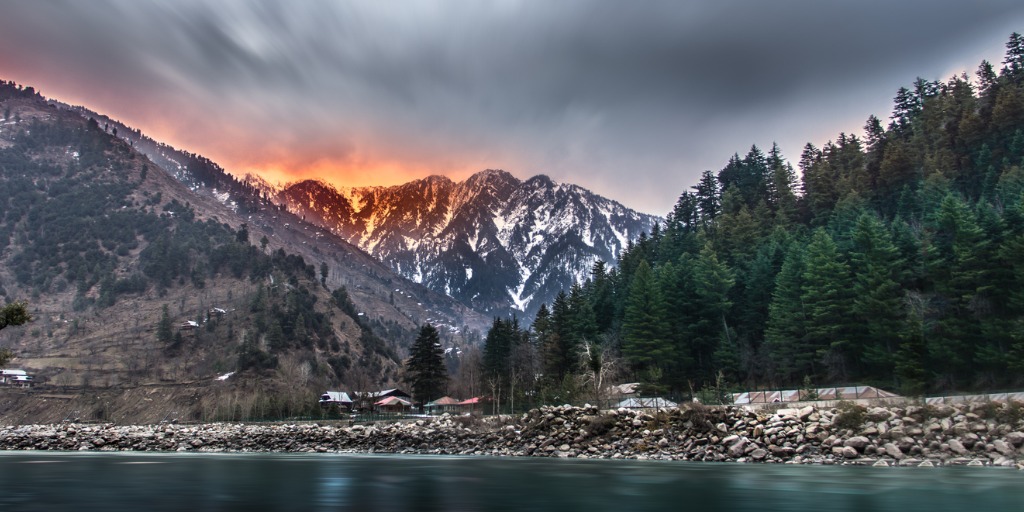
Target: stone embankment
{"x":976,"y":434}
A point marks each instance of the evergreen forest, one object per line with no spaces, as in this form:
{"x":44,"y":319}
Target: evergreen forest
{"x":893,"y":258}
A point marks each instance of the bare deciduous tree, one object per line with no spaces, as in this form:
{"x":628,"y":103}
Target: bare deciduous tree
{"x":600,"y":364}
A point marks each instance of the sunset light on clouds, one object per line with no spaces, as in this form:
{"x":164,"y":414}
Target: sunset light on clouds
{"x":633,"y":103}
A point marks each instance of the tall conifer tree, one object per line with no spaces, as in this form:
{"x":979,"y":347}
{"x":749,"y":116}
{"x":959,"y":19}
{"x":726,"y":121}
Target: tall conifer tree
{"x":425,"y":370}
{"x":645,"y":332}
{"x":827,"y":301}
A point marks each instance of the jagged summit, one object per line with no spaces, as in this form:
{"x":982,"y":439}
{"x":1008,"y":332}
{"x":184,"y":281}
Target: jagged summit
{"x":492,"y":241}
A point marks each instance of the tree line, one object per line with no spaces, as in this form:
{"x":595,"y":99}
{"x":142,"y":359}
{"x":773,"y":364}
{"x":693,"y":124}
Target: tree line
{"x":892,"y":258}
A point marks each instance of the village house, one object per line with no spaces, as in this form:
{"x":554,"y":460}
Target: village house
{"x":393,"y":404}
{"x":472,"y":405}
{"x":339,"y":399}
{"x":367,"y":400}
{"x":442,"y":405}
{"x":14,"y":377}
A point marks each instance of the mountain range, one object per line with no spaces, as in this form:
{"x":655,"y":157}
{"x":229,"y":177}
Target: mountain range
{"x":493,"y":242}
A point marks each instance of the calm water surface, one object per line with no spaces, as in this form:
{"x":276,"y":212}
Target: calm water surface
{"x":31,"y":481}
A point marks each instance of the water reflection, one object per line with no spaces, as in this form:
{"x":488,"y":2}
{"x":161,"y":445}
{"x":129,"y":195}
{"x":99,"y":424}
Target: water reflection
{"x":216,"y":482}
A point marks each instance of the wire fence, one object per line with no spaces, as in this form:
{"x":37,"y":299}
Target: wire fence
{"x":1017,"y":396}
{"x":829,"y":394}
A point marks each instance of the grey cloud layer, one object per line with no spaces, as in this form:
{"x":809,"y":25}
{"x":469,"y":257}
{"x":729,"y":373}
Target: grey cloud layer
{"x":631,"y":98}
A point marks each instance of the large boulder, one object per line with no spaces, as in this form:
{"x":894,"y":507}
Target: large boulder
{"x":957,"y":447}
{"x":857,"y":442}
{"x":1003,"y":447}
{"x":893,"y":451}
{"x":879,"y":414}
{"x":1015,"y":438}
{"x":736,"y":450}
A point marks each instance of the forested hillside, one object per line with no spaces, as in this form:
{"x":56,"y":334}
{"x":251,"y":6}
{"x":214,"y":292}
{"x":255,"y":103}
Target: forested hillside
{"x":896,"y":259}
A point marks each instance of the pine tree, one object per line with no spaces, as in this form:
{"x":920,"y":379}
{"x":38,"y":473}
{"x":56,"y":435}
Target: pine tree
{"x":878,"y":296}
{"x":1014,"y":61}
{"x":1012,"y":248}
{"x":786,"y":332}
{"x":685,"y":216}
{"x":819,"y":182}
{"x":276,"y":340}
{"x":713,"y":339}
{"x":425,"y":370}
{"x":827,"y":301}
{"x":584,"y":321}
{"x":906,"y":106}
{"x":164,"y":333}
{"x":783,"y":187}
{"x":645,"y":333}
{"x":540,"y":330}
{"x":675,"y":284}
{"x":708,"y":199}
{"x":498,"y":348}
{"x":562,"y":353}
{"x":958,"y":273}
{"x":752,"y":295}
{"x":601,"y":297}
{"x":16,"y":313}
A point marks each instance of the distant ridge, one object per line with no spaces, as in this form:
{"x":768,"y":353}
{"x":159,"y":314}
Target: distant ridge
{"x":494,"y":242}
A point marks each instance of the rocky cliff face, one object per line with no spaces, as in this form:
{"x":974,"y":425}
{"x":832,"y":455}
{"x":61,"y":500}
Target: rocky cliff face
{"x":493,"y":242}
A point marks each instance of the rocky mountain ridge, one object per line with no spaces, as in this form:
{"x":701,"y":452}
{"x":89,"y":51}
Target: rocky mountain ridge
{"x":494,"y":242}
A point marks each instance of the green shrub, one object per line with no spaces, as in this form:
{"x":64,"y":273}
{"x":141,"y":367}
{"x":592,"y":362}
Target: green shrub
{"x":600,"y":424}
{"x":1011,"y":413}
{"x":849,"y":415}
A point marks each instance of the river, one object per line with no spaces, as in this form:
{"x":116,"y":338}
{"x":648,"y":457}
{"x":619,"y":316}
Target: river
{"x":46,"y":481}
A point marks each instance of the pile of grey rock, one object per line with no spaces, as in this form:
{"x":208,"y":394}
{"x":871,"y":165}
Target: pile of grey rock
{"x":962,"y":434}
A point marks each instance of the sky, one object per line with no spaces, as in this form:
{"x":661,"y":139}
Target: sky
{"x":632,"y":100}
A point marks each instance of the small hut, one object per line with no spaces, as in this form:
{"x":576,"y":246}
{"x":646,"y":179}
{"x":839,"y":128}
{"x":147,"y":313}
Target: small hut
{"x":393,"y":404}
{"x":339,"y":399}
{"x":471,"y":405}
{"x":442,"y":405}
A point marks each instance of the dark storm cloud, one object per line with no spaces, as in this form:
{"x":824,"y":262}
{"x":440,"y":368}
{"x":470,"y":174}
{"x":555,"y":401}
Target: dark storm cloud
{"x":633,"y":99}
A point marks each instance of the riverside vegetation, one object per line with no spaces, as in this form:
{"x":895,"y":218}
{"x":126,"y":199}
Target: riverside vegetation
{"x":913,"y":435}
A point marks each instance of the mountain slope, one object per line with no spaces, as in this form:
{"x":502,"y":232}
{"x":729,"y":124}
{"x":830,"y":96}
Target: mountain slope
{"x":368,"y":281}
{"x":492,"y":241}
{"x":136,"y":280}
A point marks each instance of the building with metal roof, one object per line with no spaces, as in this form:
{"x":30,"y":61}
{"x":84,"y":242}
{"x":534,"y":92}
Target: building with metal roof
{"x":393,"y":404}
{"x":442,"y":405}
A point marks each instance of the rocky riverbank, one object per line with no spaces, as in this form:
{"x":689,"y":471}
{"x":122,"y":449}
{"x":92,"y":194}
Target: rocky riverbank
{"x":965,"y":434}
